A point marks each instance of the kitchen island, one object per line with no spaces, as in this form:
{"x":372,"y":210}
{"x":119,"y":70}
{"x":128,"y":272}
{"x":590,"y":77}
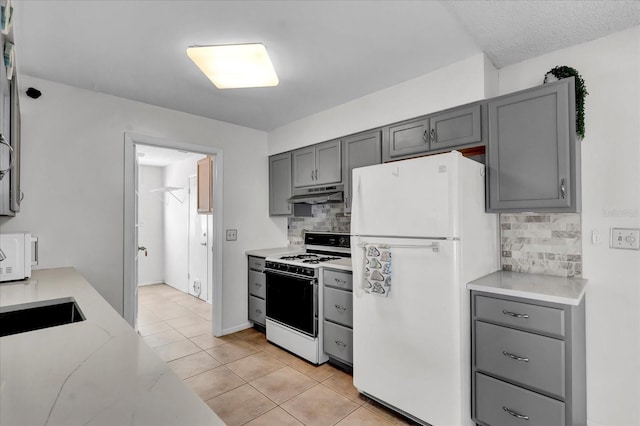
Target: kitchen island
{"x":93,"y":372}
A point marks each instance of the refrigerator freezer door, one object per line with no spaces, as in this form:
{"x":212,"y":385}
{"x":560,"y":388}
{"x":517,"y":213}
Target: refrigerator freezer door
{"x":407,"y":346}
{"x":417,"y":197}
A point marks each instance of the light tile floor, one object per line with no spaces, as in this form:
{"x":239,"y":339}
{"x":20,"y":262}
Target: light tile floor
{"x":244,"y":378}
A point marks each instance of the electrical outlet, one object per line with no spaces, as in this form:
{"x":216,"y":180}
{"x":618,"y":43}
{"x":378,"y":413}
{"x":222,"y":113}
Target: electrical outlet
{"x":595,"y":236}
{"x":625,"y":238}
{"x":232,"y":234}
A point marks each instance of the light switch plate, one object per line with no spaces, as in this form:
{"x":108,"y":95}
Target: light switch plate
{"x":625,"y":238}
{"x":232,"y":234}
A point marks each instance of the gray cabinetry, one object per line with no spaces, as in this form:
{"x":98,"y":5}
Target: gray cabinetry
{"x":407,"y":138}
{"x":317,"y":165}
{"x":460,"y":126}
{"x":438,"y":132}
{"x":257,"y":290}
{"x":533,"y":159}
{"x":528,"y":361}
{"x":10,"y":192}
{"x":338,"y":315}
{"x":279,"y":184}
{"x":359,"y":151}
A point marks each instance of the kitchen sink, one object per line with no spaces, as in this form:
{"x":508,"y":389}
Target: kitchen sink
{"x":35,"y":316}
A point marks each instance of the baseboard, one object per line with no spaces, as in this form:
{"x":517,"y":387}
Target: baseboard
{"x":236,"y":328}
{"x":149,"y":283}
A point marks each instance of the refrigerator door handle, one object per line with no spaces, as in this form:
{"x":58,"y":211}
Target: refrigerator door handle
{"x":434,"y":246}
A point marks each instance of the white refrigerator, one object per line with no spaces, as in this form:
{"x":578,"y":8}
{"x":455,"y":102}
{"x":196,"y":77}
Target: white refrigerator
{"x":411,"y":345}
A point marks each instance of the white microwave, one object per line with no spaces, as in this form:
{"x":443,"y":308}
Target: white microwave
{"x":16,"y":253}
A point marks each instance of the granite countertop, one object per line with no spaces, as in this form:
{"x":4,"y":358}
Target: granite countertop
{"x":93,"y":372}
{"x":275,"y":251}
{"x":546,"y":288}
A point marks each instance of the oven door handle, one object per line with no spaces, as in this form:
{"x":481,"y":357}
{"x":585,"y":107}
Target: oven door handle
{"x":311,"y":280}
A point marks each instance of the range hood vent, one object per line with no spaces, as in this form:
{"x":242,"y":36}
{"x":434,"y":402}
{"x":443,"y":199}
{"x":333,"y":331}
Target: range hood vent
{"x":318,"y":195}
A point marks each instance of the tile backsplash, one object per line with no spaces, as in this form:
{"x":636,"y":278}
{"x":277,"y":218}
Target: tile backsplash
{"x":328,"y":217}
{"x":537,"y":243}
{"x":542,"y":243}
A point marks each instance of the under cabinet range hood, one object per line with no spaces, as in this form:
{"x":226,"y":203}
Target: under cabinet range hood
{"x":318,"y":195}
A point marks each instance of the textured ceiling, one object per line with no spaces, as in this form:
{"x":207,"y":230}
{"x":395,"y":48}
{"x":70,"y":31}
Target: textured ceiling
{"x":325,"y":52}
{"x":512,"y":31}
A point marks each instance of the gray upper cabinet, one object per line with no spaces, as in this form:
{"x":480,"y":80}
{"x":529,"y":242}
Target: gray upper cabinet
{"x":407,"y":138}
{"x":533,"y":159}
{"x":279,"y":184}
{"x":460,"y":126}
{"x":317,"y":165}
{"x":359,"y":151}
{"x":456,"y":127}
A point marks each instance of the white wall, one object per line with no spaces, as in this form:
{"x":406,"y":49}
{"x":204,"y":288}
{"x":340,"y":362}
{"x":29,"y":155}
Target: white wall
{"x":176,"y":224}
{"x":72,"y":177}
{"x":610,"y":67}
{"x":151,"y":229}
{"x":446,"y":87}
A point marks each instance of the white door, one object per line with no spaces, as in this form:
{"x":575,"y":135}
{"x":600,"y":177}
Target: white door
{"x":407,"y":346}
{"x":417,"y":198}
{"x":198,"y":245}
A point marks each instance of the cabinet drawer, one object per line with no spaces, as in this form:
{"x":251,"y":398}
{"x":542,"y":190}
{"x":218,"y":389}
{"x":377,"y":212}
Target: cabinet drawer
{"x":541,"y":363}
{"x":521,"y":315}
{"x":256,"y":263}
{"x":338,"y":342}
{"x":494,"y":398}
{"x":257,"y":284}
{"x":257,"y":310}
{"x":338,"y":306}
{"x":338,"y":279}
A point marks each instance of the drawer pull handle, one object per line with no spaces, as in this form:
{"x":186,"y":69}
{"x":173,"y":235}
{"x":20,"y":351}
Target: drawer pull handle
{"x":340,"y":281}
{"x":513,"y":314}
{"x":515,"y":414}
{"x":340,"y":308}
{"x":516,"y":357}
{"x":257,"y":284}
{"x":341,"y":344}
{"x":258,"y":311}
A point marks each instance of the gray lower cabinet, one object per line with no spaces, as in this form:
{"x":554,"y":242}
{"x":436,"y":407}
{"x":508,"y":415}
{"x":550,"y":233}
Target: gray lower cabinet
{"x":533,"y":161}
{"x":359,"y":151}
{"x":319,"y":164}
{"x":528,"y":362}
{"x":280,"y":184}
{"x":338,"y":315}
{"x":257,"y":290}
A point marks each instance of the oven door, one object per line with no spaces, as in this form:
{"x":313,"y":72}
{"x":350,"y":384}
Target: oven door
{"x":292,"y":301}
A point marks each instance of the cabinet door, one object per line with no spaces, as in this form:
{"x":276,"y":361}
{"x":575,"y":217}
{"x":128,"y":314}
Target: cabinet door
{"x":408,"y":138}
{"x":532,"y":158}
{"x":304,"y":167}
{"x":458,"y":127}
{"x":328,"y":164}
{"x":279,"y":184}
{"x":359,"y":151}
{"x":205,"y":187}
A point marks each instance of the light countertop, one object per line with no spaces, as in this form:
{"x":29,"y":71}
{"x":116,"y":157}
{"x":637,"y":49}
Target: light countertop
{"x":93,"y":372}
{"x":546,"y":288}
{"x":343,"y":264}
{"x":275,"y":251}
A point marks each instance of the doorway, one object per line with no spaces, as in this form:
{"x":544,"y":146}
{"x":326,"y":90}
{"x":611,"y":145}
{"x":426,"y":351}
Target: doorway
{"x":195,"y":259}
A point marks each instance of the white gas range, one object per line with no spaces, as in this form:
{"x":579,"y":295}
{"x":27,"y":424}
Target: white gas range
{"x":294,"y":320}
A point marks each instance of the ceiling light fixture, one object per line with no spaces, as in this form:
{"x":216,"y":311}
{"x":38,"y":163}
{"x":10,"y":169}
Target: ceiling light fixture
{"x":235,"y":65}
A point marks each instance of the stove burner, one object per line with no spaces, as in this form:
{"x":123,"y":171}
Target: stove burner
{"x":317,"y":259}
{"x":309,"y":258}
